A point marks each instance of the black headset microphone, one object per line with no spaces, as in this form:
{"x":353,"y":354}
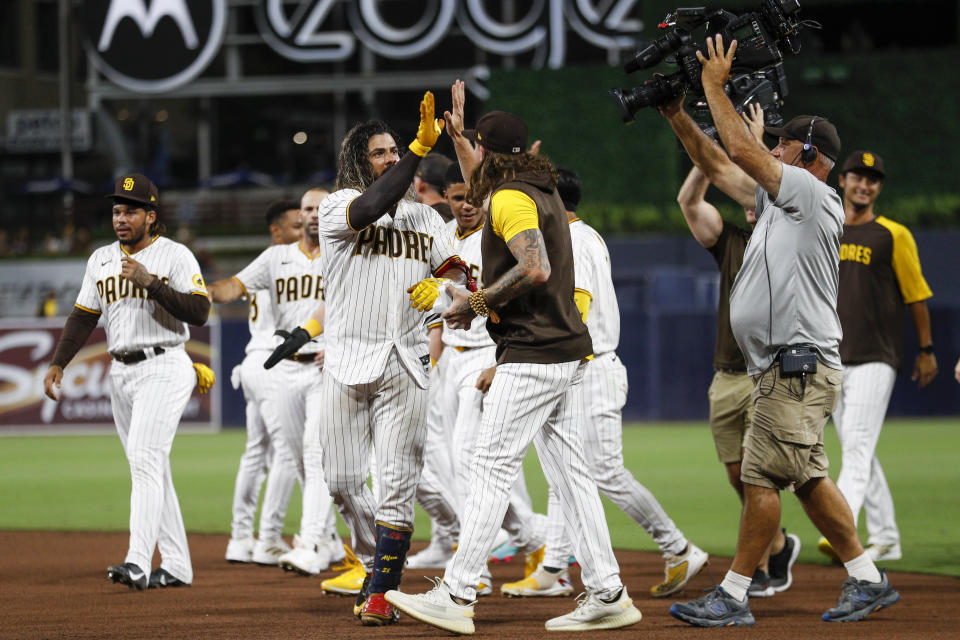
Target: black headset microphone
{"x":809,"y":152}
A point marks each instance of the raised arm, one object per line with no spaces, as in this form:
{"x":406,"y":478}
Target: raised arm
{"x":704,"y":220}
{"x":467,"y":155}
{"x":226,"y":290}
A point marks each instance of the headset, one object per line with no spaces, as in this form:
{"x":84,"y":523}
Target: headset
{"x":809,"y":152}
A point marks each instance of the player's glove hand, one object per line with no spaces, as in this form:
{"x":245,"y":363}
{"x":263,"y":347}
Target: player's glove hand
{"x":424,"y":293}
{"x":205,"y":377}
{"x":292,"y":341}
{"x":430,"y":128}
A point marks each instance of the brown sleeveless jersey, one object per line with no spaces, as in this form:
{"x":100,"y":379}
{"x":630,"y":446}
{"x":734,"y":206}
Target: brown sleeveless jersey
{"x":543,"y":325}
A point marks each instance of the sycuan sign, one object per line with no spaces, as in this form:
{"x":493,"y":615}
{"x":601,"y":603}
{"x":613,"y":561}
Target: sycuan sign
{"x":154,"y":46}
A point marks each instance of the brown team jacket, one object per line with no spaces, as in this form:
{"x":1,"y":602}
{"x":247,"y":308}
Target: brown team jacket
{"x":543,"y":325}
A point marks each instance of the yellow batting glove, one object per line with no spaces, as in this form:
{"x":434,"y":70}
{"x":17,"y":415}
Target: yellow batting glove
{"x":424,"y":293}
{"x":430,"y":128}
{"x":205,"y":377}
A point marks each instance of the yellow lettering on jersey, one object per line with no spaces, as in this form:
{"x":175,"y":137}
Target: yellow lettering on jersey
{"x":412,"y":243}
{"x":380,"y":241}
{"x":395,"y":243}
{"x":855,"y":253}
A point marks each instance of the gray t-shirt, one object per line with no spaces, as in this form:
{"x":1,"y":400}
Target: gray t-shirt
{"x":786,"y":291}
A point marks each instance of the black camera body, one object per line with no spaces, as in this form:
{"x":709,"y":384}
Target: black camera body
{"x":797,"y":360}
{"x":757,"y":72}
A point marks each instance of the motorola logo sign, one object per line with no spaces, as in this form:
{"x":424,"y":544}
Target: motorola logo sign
{"x":151,"y":46}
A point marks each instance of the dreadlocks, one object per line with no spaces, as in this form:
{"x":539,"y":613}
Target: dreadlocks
{"x":497,"y":168}
{"x":353,"y":165}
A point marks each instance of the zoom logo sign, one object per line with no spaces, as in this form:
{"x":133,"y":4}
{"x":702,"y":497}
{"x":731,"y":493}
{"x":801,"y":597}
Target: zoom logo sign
{"x":151,"y":46}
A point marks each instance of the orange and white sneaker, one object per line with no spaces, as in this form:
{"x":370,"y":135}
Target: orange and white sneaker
{"x":539,"y":584}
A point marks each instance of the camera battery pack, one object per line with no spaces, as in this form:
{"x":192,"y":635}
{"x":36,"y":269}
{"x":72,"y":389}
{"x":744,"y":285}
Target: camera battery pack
{"x":797,"y":360}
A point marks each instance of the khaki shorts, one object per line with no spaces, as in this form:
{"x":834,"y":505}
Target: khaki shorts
{"x":731,"y":410}
{"x":785,"y":442}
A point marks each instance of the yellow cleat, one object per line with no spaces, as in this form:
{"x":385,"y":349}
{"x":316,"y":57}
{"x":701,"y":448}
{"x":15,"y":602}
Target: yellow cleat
{"x":350,"y":560}
{"x":539,"y":584}
{"x":350,"y":581}
{"x":827,"y":549}
{"x":533,"y":560}
{"x":678,"y":570}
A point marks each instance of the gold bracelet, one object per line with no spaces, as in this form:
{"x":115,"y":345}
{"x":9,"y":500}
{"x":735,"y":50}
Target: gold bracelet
{"x":479,"y":305}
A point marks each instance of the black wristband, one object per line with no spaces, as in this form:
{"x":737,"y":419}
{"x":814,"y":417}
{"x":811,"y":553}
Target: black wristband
{"x":926,"y":349}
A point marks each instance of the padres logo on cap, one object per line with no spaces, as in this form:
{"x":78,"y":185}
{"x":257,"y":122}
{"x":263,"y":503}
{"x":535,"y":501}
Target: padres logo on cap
{"x":128,"y":184}
{"x":868,"y":160}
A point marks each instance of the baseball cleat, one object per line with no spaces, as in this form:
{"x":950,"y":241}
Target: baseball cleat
{"x":436,"y":608}
{"x":593,"y":613}
{"x":377,"y":612}
{"x":824,"y":546}
{"x":304,"y":559}
{"x":760,"y":585}
{"x":267,"y":552}
{"x":679,"y":570}
{"x":781,"y":564}
{"x":347,"y":583}
{"x":348,"y":560}
{"x":484,"y":589}
{"x":435,"y":556}
{"x":539,"y":584}
{"x":335,"y":549}
{"x":884,"y":552}
{"x":504,"y":553}
{"x":860,"y":598}
{"x":533,"y":560}
{"x":716,"y":609}
{"x":240,"y":550}
{"x":161,"y":578}
{"x":128,"y":574}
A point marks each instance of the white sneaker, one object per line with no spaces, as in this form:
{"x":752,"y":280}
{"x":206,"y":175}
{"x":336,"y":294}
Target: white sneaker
{"x":540,"y":584}
{"x":679,"y":570}
{"x":307,"y":560}
{"x":240,"y":550}
{"x":593,"y":613}
{"x":882,"y":552}
{"x":435,"y":556}
{"x":436,"y":608}
{"x":334,"y":548}
{"x":268,"y":552}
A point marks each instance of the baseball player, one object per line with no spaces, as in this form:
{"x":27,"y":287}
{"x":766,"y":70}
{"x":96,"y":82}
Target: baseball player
{"x":293,"y":275}
{"x":148,"y":289}
{"x":377,"y":243}
{"x":428,"y":184}
{"x":259,"y":456}
{"x":731,"y":405}
{"x":879,"y":276}
{"x":542,"y":350}
{"x":605,"y":393}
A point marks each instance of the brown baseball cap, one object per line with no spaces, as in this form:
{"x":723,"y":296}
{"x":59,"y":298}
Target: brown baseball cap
{"x":501,"y":132}
{"x":432,"y":168}
{"x":823,"y":136}
{"x":864,"y":161}
{"x":136,"y":187}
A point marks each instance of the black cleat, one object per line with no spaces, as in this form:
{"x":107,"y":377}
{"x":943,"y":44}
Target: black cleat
{"x":160,"y":578}
{"x":128,"y":574}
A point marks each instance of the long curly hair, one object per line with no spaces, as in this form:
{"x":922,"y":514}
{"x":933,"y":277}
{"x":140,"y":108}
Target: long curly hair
{"x":497,"y":168}
{"x":353,"y":166}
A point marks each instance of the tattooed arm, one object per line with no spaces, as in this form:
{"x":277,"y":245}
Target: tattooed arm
{"x":531,"y":271}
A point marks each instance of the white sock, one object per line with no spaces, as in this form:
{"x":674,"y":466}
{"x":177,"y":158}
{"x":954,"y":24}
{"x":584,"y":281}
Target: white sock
{"x":736,"y":585}
{"x":863,"y":568}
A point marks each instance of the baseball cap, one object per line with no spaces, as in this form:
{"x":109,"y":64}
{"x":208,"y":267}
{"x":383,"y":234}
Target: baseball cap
{"x":136,"y":187}
{"x":824,"y":135}
{"x":501,"y":132}
{"x":864,"y":161}
{"x":453,"y":175}
{"x":432,"y":168}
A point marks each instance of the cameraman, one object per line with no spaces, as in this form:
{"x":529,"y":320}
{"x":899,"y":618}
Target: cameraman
{"x":785,"y":295}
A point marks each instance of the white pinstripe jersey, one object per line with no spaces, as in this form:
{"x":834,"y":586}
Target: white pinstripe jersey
{"x":368,"y":273}
{"x":295,"y":283}
{"x":591,"y":273}
{"x":260,"y":322}
{"x":132,"y":320}
{"x":468,"y":248}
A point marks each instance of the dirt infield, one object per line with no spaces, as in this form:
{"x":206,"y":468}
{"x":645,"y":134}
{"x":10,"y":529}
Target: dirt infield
{"x":53,"y":585}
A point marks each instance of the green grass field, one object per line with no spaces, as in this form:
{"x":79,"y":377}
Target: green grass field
{"x":82,"y":483}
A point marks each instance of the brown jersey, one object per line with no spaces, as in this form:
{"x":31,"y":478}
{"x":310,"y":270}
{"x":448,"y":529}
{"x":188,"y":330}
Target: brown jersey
{"x":879,"y":274}
{"x":542,"y":325}
{"x":728,"y":252}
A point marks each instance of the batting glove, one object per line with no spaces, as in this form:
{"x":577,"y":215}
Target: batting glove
{"x":205,"y":377}
{"x":424,"y":293}
{"x":430,"y":128}
{"x":292,"y":341}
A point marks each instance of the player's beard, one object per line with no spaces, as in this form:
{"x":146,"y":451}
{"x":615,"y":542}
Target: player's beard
{"x":135,"y":237}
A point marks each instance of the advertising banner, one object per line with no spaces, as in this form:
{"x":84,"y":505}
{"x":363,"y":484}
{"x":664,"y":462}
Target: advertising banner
{"x":26,"y":348}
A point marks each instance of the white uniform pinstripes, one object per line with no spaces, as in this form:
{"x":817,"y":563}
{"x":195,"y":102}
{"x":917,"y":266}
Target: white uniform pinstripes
{"x":260,"y":456}
{"x":147,"y":397}
{"x":378,"y":357}
{"x":540,"y":403}
{"x":605,"y":391}
{"x":295,"y":283}
{"x":859,"y":415}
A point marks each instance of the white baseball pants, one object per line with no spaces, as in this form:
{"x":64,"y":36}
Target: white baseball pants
{"x":389,"y":414}
{"x":148,"y":399}
{"x":261,"y":455}
{"x":539,"y":403}
{"x":605,"y":393}
{"x":859,"y":418}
